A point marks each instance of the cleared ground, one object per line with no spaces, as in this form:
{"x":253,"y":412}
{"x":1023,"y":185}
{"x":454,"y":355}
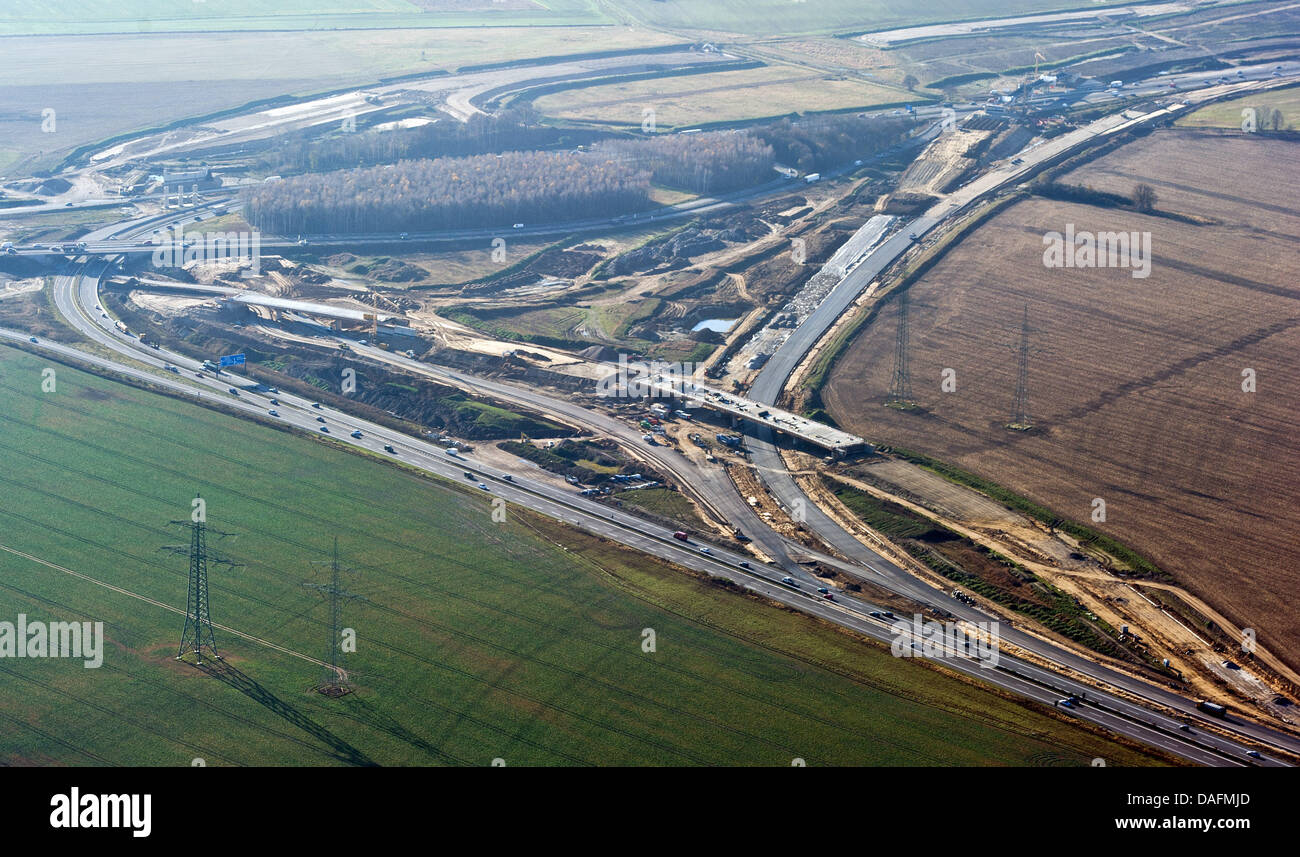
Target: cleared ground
{"x":1135,"y":385}
{"x":720,"y":97}
{"x":142,"y":80}
{"x":776,"y":17}
{"x":476,"y":640}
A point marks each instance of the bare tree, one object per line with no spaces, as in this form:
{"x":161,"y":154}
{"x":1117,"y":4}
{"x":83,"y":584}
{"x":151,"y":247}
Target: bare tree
{"x":1144,"y":197}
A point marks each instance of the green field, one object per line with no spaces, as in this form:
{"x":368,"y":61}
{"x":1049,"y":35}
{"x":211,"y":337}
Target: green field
{"x":477,"y":640}
{"x":114,"y":16}
{"x":1227,"y":114}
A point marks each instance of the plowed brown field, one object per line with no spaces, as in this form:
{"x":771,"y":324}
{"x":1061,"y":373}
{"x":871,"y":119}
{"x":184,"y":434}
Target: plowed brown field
{"x":1135,"y":385}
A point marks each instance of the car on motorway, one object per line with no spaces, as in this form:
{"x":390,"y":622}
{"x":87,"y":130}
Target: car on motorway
{"x":198,"y":374}
{"x":31,"y":339}
{"x":275,"y":401}
{"x":743,"y":564}
{"x":356,"y":433}
{"x":822,"y":590}
{"x":789,"y":581}
{"x":273,"y":412}
{"x":483,"y":486}
{"x":508,"y":478}
{"x":1254,"y":754}
{"x":707,"y":551}
{"x":518,"y":226}
{"x":828,"y":596}
{"x":171,"y":368}
{"x":1065,"y":703}
{"x":388,"y":447}
{"x":320,"y":419}
{"x":469,"y":475}
{"x":316,"y":405}
{"x":325,"y":429}
{"x":232,"y":391}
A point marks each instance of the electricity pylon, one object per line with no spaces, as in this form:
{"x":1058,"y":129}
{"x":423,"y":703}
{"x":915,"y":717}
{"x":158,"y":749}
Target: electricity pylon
{"x":900,"y":386}
{"x":335,"y":681}
{"x":1020,"y":419}
{"x":197,"y":637}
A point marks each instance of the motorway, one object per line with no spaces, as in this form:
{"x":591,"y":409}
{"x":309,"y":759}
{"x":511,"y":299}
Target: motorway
{"x":76,"y":297}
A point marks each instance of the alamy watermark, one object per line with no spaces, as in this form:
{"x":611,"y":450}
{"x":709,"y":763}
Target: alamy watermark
{"x":23,"y":639}
{"x":931,"y":639}
{"x":182,"y":248}
{"x":655,"y":379}
{"x":1099,"y":250}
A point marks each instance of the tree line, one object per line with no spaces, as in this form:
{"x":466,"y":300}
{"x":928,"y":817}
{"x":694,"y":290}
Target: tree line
{"x":822,"y":142}
{"x":511,"y":130}
{"x":612,"y":177}
{"x":449,"y":193}
{"x":712,"y":162}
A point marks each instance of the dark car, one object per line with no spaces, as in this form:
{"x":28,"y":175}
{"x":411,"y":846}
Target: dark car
{"x":388,"y":448}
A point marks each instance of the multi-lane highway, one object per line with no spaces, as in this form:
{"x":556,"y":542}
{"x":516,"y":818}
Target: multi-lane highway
{"x":76,"y":296}
{"x":1137,"y":713}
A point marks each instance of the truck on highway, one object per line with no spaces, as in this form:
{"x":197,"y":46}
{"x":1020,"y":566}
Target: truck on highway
{"x":1212,"y":708}
{"x":681,"y":536}
{"x":122,"y":327}
{"x":812,"y":177}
